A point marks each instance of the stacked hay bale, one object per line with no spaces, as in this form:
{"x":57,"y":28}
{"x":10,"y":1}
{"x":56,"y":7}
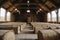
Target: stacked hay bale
{"x":9,"y":27}
{"x":16,"y":26}
{"x":47,"y":31}
{"x":58,"y":32}
{"x":7,"y":35}
{"x":52,"y":27}
{"x":47,"y":35}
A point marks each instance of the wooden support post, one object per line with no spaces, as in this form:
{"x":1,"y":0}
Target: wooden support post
{"x":57,"y":15}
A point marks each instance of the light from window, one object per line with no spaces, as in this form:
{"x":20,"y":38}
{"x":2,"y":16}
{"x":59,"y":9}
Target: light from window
{"x":8,"y":16}
{"x":59,"y":15}
{"x":2,"y":14}
{"x":48,"y":17}
{"x":54,"y":16}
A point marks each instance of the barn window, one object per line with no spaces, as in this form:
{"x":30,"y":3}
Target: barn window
{"x":48,"y":17}
{"x":8,"y":16}
{"x":59,"y":15}
{"x":54,"y":16}
{"x":2,"y":14}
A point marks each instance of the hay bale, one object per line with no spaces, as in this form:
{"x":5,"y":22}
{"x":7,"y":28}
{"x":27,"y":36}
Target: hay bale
{"x":47,"y":35}
{"x":58,"y":32}
{"x":7,"y":35}
{"x":8,"y":27}
{"x":52,"y":26}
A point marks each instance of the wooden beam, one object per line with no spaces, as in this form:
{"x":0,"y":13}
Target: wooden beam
{"x":40,"y":2}
{"x":54,"y":3}
{"x":2,"y":2}
{"x":7,"y":5}
{"x":12,"y":6}
{"x":42,"y":9}
{"x":48,"y":7}
{"x":16,"y":1}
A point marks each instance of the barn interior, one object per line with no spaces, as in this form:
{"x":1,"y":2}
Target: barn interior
{"x":29,"y":19}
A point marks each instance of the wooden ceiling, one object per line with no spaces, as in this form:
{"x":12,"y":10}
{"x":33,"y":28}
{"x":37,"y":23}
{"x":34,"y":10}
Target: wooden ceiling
{"x":34,"y":5}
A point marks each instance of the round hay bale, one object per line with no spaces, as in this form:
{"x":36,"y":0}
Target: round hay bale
{"x":58,"y":32}
{"x":47,"y":35}
{"x":7,"y":35}
{"x":52,"y":26}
